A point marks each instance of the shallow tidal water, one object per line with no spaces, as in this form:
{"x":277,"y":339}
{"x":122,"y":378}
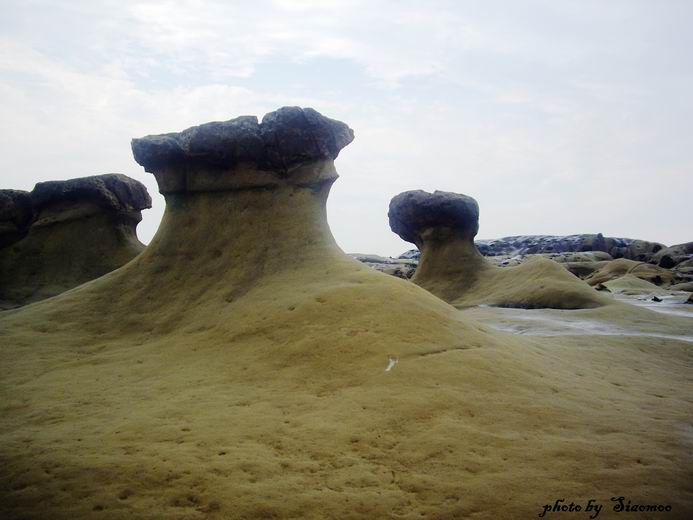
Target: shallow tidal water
{"x":556,"y":322}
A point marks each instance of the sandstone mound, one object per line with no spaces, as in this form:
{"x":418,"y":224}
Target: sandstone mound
{"x":633,"y":286}
{"x":243,"y":367}
{"x":65,"y":233}
{"x":621,"y":267}
{"x":674,"y":255}
{"x":443,"y":226}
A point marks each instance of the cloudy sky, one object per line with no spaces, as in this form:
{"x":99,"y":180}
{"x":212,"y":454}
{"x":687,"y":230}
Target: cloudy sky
{"x":558,"y":116}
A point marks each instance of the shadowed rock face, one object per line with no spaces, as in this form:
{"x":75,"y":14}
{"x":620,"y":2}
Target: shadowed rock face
{"x":66,"y":233}
{"x":16,"y":214}
{"x":629,"y":248}
{"x":443,"y":226}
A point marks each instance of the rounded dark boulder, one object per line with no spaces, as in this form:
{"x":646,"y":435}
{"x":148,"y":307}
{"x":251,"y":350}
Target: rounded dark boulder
{"x":412,"y":212}
{"x":112,"y":191}
{"x":286,"y":137}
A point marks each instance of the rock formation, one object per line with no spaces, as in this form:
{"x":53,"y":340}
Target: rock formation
{"x":632,"y":249}
{"x":443,"y":226}
{"x":622,"y":267}
{"x":399,"y":267}
{"x":244,"y":367}
{"x":674,"y":255}
{"x":65,"y":233}
{"x":16,"y":215}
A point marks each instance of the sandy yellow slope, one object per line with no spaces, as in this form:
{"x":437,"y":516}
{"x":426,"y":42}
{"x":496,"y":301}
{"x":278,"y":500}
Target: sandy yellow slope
{"x":237,"y":369}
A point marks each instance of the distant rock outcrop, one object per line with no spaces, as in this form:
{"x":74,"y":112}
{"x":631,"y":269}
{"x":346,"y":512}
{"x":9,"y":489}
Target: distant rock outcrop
{"x":65,"y":233}
{"x":674,"y":255}
{"x":632,"y":249}
{"x":522,"y":245}
{"x":443,"y":226}
{"x":242,"y":296}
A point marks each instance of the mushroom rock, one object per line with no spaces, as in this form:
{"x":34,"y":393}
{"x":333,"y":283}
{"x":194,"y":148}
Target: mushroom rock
{"x":242,"y":322}
{"x":73,"y":231}
{"x":443,"y":226}
{"x":244,"y":367}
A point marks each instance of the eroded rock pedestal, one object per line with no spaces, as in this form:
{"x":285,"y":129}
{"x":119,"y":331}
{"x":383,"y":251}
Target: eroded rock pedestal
{"x":443,"y":226}
{"x":65,"y":233}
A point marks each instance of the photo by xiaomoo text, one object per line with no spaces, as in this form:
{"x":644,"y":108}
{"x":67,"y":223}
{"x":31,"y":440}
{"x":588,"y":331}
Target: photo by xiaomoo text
{"x":593,"y":507}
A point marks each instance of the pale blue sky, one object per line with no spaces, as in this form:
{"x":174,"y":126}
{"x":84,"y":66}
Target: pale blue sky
{"x":559,"y":117}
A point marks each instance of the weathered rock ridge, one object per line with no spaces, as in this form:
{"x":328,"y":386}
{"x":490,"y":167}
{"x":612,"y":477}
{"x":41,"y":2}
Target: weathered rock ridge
{"x":65,"y":233}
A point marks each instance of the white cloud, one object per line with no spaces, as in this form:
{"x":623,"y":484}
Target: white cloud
{"x":558,"y":117}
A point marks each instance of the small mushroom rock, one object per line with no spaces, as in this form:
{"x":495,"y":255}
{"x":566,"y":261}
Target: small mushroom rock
{"x":443,"y":226}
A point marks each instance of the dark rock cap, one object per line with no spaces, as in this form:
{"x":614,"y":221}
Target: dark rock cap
{"x":16,"y":215}
{"x":412,"y":212}
{"x":286,"y":137}
{"x":112,"y":191}
{"x":15,"y":206}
